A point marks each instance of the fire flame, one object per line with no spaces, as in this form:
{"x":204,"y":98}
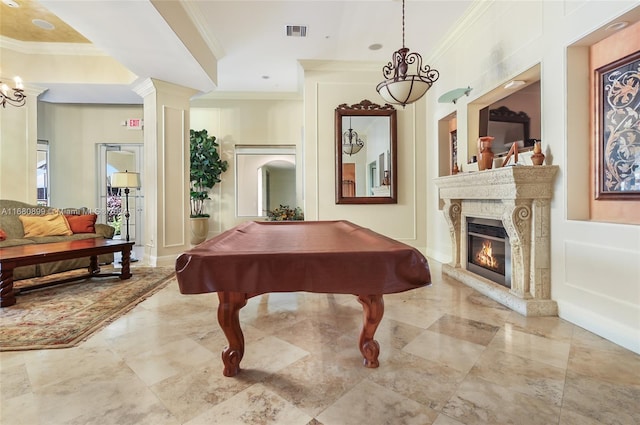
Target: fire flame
{"x":485,"y":257}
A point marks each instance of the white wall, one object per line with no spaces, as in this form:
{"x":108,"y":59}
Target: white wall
{"x":595,"y":266}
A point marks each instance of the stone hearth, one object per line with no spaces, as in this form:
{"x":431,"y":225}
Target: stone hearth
{"x":520,"y":197}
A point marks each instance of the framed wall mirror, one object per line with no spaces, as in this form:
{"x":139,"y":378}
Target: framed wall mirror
{"x":366,"y":143}
{"x":265,"y":178}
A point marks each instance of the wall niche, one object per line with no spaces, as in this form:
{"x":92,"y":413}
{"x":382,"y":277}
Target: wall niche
{"x":525,"y":98}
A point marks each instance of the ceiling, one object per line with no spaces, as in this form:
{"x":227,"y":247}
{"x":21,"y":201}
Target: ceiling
{"x":226,"y":48}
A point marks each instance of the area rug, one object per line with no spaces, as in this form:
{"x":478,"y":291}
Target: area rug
{"x":65,"y":315}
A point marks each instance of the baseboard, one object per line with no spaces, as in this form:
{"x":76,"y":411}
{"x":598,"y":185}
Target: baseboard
{"x":620,"y":334}
{"x":163,"y":261}
{"x":438,"y":256}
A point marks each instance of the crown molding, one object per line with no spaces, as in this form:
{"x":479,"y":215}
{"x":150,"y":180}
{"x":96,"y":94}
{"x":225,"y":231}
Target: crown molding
{"x":197,"y":17}
{"x":459,"y":28}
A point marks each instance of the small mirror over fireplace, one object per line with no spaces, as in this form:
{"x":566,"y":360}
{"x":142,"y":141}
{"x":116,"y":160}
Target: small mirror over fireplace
{"x":488,"y":250}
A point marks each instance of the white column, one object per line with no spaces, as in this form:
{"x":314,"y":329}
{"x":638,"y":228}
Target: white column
{"x":166,"y":170}
{"x":18,"y":147}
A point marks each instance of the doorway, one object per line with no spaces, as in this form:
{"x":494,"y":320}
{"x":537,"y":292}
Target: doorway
{"x":114,"y":158}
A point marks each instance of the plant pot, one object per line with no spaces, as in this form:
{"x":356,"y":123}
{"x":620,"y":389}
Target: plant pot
{"x":199,"y":229}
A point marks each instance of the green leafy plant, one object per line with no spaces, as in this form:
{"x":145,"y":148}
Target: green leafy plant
{"x":285,"y":213}
{"x":206,"y":168}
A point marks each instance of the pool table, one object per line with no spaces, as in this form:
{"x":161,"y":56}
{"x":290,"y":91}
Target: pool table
{"x":333,"y":257}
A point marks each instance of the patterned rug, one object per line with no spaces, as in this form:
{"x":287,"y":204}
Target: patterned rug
{"x":65,"y":315}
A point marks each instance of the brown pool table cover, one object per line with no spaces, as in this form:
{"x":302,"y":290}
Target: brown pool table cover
{"x":335,"y":257}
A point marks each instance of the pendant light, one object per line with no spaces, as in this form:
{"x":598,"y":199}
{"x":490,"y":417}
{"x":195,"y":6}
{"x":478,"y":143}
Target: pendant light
{"x":351,"y":142}
{"x":406,"y":79}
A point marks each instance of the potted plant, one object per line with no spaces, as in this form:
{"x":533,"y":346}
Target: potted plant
{"x":285,"y":213}
{"x":205,"y":171}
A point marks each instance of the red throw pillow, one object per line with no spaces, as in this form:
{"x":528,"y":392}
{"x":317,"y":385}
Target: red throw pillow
{"x":85,"y":223}
{"x":3,"y":235}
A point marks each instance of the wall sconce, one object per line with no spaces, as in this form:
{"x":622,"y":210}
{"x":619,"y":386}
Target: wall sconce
{"x":454,"y":95}
{"x":514,"y":84}
{"x":15,"y":96}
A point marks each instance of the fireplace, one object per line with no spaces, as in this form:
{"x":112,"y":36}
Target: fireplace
{"x":488,"y":250}
{"x":513,"y":235}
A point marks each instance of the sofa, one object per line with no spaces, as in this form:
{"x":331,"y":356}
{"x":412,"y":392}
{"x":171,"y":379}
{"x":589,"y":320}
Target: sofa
{"x":20,"y":224}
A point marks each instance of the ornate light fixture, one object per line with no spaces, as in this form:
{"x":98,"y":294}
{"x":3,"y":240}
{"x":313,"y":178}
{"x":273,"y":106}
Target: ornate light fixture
{"x":401,"y":87}
{"x":15,"y":96}
{"x":351,"y":142}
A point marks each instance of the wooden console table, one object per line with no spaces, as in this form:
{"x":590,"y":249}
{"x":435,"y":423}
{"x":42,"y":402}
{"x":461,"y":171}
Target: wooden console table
{"x":26,"y":255}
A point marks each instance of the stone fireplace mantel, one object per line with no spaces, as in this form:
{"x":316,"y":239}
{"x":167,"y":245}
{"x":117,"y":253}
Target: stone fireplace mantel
{"x":520,"y":197}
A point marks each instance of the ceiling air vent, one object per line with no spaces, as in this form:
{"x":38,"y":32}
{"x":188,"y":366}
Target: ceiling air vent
{"x":296,"y":31}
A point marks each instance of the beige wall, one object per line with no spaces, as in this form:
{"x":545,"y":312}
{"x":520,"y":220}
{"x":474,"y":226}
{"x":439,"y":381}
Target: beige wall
{"x":325,"y":89}
{"x":74,"y":132}
{"x":247,"y":122}
{"x":595,"y":266}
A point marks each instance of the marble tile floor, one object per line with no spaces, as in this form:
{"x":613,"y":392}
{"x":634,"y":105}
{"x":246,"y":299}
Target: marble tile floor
{"x":449,"y":356}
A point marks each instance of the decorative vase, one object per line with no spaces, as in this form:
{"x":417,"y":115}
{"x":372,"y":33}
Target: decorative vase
{"x":485,"y":154}
{"x":199,"y":229}
{"x":538,"y":157}
{"x":456,"y":169}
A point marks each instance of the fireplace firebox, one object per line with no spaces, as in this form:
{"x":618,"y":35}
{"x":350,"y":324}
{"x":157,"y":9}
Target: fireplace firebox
{"x":488,"y":250}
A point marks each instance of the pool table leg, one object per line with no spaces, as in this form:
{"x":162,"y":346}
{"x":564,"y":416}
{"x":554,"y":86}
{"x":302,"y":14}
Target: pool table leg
{"x":228,"y":317}
{"x":373,"y":308}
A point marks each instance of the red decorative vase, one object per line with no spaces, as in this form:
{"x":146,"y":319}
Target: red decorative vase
{"x":485,"y":154}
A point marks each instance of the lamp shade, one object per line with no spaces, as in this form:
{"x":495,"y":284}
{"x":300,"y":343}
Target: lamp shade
{"x":125,"y":180}
{"x":403,"y":91}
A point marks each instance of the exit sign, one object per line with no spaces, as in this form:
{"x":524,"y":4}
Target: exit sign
{"x":134,"y":124}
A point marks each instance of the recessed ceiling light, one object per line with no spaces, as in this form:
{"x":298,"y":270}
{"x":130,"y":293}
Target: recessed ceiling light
{"x":513,"y":84}
{"x":45,"y":25}
{"x":10,"y":3}
{"x":375,"y":46}
{"x":265,"y":77}
{"x":616,"y":26}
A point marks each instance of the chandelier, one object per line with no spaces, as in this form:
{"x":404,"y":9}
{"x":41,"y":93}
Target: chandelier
{"x":401,"y":87}
{"x":351,"y":142}
{"x":15,"y":96}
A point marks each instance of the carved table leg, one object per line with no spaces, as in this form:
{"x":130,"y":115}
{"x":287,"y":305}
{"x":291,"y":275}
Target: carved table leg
{"x":7,"y":296}
{"x":373,"y":308}
{"x":125,"y":273}
{"x":94,"y":268}
{"x":229,"y":319}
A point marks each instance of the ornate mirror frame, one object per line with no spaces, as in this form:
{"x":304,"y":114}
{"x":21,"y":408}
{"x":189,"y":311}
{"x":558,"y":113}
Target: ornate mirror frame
{"x":390,"y":177}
